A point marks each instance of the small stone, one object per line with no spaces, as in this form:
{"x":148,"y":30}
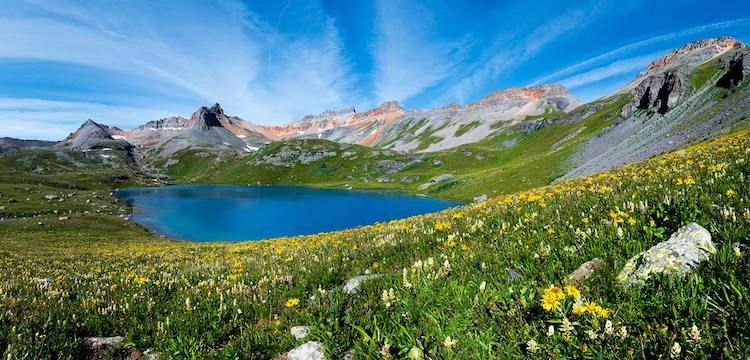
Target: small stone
{"x":480,"y":198}
{"x":50,"y":197}
{"x":299,"y":332}
{"x":63,"y":218}
{"x":585,"y":270}
{"x":353,"y":284}
{"x":311,"y":350}
{"x":45,"y":281}
{"x":100,"y":348}
{"x":514,"y":274}
{"x":151,"y":354}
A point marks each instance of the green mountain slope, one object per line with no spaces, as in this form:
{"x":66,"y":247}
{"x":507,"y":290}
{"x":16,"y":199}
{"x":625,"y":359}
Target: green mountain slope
{"x":465,"y":283}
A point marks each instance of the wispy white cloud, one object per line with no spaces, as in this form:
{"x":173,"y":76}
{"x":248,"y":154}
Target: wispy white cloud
{"x":619,"y":52}
{"x":504,"y":57}
{"x":52,"y":120}
{"x":215,"y":52}
{"x":616,"y":68}
{"x":408,"y":58}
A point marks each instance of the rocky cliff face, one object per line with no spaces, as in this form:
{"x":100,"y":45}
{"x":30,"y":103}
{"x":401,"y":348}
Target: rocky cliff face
{"x":344,"y":125}
{"x":692,"y":93}
{"x":693,"y":54}
{"x":664,"y":83}
{"x":205,"y":118}
{"x":527,"y":95}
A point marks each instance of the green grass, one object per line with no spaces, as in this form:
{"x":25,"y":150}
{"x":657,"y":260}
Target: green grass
{"x":227,"y":300}
{"x":464,"y":128}
{"x":702,"y":74}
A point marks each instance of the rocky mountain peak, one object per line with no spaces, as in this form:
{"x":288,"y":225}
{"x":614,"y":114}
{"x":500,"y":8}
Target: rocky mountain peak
{"x":522,"y":94}
{"x":216,"y":108}
{"x":386,"y":108}
{"x":90,"y":131}
{"x":694,"y":53}
{"x":206,"y":117}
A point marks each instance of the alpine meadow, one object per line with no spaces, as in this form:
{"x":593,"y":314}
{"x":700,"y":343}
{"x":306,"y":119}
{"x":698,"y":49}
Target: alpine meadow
{"x":587,"y":203}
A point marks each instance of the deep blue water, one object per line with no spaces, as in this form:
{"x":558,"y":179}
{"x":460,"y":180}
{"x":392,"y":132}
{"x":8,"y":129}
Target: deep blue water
{"x":231,"y":213}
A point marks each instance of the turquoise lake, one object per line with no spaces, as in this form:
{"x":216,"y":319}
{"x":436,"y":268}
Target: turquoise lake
{"x":233,"y":213}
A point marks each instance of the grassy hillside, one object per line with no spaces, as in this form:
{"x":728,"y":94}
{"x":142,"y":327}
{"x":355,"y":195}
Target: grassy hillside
{"x":465,"y":283}
{"x":505,"y":162}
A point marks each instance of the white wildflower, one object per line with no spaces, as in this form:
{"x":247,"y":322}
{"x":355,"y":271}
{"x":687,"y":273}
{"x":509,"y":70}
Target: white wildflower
{"x":695,"y":335}
{"x":532,"y":346}
{"x":675,"y":352}
{"x":608,"y":329}
{"x":449,"y":342}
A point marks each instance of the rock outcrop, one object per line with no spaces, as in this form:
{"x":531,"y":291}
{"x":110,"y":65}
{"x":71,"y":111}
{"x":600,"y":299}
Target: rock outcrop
{"x":684,"y":250}
{"x":299,"y":332}
{"x":311,"y":350}
{"x":584,"y":271}
{"x":664,"y":83}
{"x":352,"y":285}
{"x":436,"y":180}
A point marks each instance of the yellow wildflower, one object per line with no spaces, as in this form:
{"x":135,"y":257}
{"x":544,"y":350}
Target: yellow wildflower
{"x":550,"y":302}
{"x":292,"y":302}
{"x":730,"y":193}
{"x":556,"y":292}
{"x":572,"y":291}
{"x":450,"y":243}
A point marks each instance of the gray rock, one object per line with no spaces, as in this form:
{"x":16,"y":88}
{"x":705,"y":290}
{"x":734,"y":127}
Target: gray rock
{"x":435,"y":180}
{"x":353,"y":284}
{"x":151,"y":354}
{"x":383,"y":179}
{"x":585,"y":270}
{"x":678,"y":255}
{"x":409,"y":179}
{"x":509,"y":143}
{"x":45,"y":281}
{"x":50,"y":197}
{"x":480,"y":198}
{"x":513,"y":274}
{"x":311,"y":350}
{"x":100,"y":347}
{"x":299,"y":332}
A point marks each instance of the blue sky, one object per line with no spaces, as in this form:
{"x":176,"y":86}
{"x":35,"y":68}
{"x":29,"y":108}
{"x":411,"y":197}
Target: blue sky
{"x":127,"y":62}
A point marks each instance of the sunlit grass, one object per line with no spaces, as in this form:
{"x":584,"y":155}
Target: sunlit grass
{"x":486,"y":280}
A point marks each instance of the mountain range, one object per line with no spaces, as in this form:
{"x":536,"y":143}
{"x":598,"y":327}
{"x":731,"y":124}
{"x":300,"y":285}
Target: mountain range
{"x":690,"y":93}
